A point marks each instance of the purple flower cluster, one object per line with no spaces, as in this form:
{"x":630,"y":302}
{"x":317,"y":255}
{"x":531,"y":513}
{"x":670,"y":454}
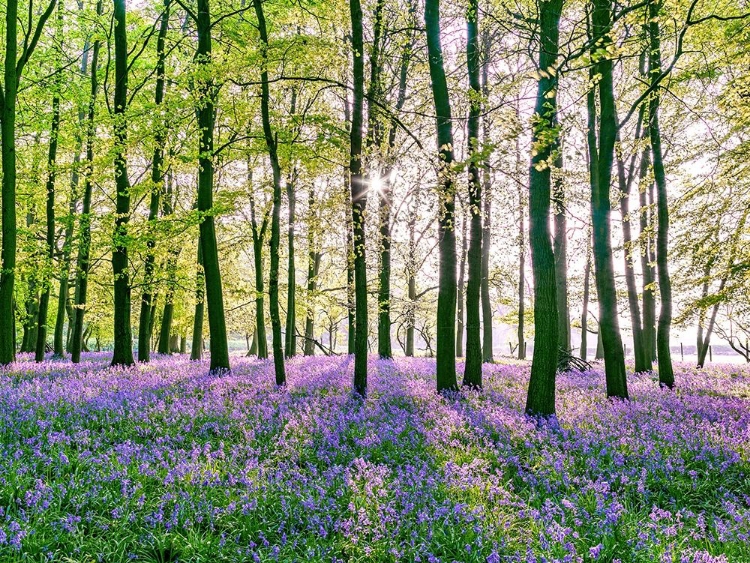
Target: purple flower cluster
{"x":164,"y":462}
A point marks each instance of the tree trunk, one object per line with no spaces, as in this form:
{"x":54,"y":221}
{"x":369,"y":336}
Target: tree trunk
{"x":446,"y":307}
{"x":561,"y":257}
{"x":540,"y":400}
{"x":123,"y":338}
{"x":290,"y":347}
{"x":664,"y":355}
{"x":196,"y":348}
{"x":272,"y":146}
{"x":642,"y":361}
{"x":259,"y":235}
{"x":461,"y":285}
{"x":585,"y":306}
{"x":206,"y":118}
{"x":601,"y":177}
{"x":647,"y":267}
{"x":411,"y":282}
{"x":41,"y":341}
{"x":63,"y":300}
{"x":313,"y":266}
{"x":13,"y":69}
{"x":473,"y":363}
{"x":520,"y":331}
{"x":84,"y":246}
{"x":487,"y":212}
{"x":359,"y":202}
{"x":157,"y":180}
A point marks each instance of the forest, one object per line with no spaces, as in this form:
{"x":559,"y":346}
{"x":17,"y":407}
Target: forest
{"x":375,"y":280}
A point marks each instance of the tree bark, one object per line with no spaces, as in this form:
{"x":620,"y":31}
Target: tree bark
{"x":446,"y":308}
{"x":206,"y":118}
{"x":561,"y":257}
{"x":540,"y":400}
{"x":411,"y":282}
{"x":647,"y":267}
{"x":84,"y":246}
{"x":642,"y":361}
{"x":313,"y":266}
{"x":359,"y":202}
{"x":460,"y":326}
{"x":487,"y":212}
{"x":272,"y":146}
{"x":12,"y":71}
{"x":290,"y":346}
{"x":473,"y":363}
{"x":196,"y":348}
{"x":123,"y":338}
{"x":585,"y":306}
{"x":157,"y":180}
{"x":664,"y":355}
{"x":601,"y":177}
{"x":41,"y":341}
{"x":63,"y":301}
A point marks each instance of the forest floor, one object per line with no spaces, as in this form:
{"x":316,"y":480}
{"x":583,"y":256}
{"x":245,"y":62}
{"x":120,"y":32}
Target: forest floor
{"x":164,"y":463}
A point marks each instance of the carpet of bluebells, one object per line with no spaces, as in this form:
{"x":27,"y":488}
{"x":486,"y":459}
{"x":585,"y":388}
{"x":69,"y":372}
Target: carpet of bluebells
{"x":162,"y":462}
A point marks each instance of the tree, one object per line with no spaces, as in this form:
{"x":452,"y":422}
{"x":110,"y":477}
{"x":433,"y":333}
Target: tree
{"x":13,"y":66}
{"x":601,"y":161}
{"x":157,"y":183}
{"x":123,"y":349}
{"x":666,"y":373}
{"x":206,"y":99}
{"x":540,"y":400}
{"x":473,"y":366}
{"x":41,"y":341}
{"x":272,"y":145}
{"x":446,"y":307}
{"x":487,"y":211}
{"x":358,"y":200}
{"x":84,"y":246}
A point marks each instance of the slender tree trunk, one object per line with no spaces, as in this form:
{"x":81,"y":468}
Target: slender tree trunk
{"x":461,"y":285}
{"x":206,"y":118}
{"x":8,"y":97}
{"x":84,"y":246}
{"x":196,"y":348}
{"x":12,"y":70}
{"x":642,"y":361}
{"x":487,"y":212}
{"x":647,"y":268}
{"x":359,"y":202}
{"x":446,"y":308}
{"x":351,"y":321}
{"x":290,"y":348}
{"x":411,"y":283}
{"x":585,"y":307}
{"x":473,"y":364}
{"x":540,"y":400}
{"x":312,"y":276}
{"x":41,"y":341}
{"x":614,"y":358}
{"x":272,"y":146}
{"x":561,"y":257}
{"x":63,"y":300}
{"x":664,"y":355}
{"x":123,"y":338}
{"x":313,"y":265}
{"x":520,"y":330}
{"x":168,"y":314}
{"x":259,"y":236}
{"x":157,"y":180}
